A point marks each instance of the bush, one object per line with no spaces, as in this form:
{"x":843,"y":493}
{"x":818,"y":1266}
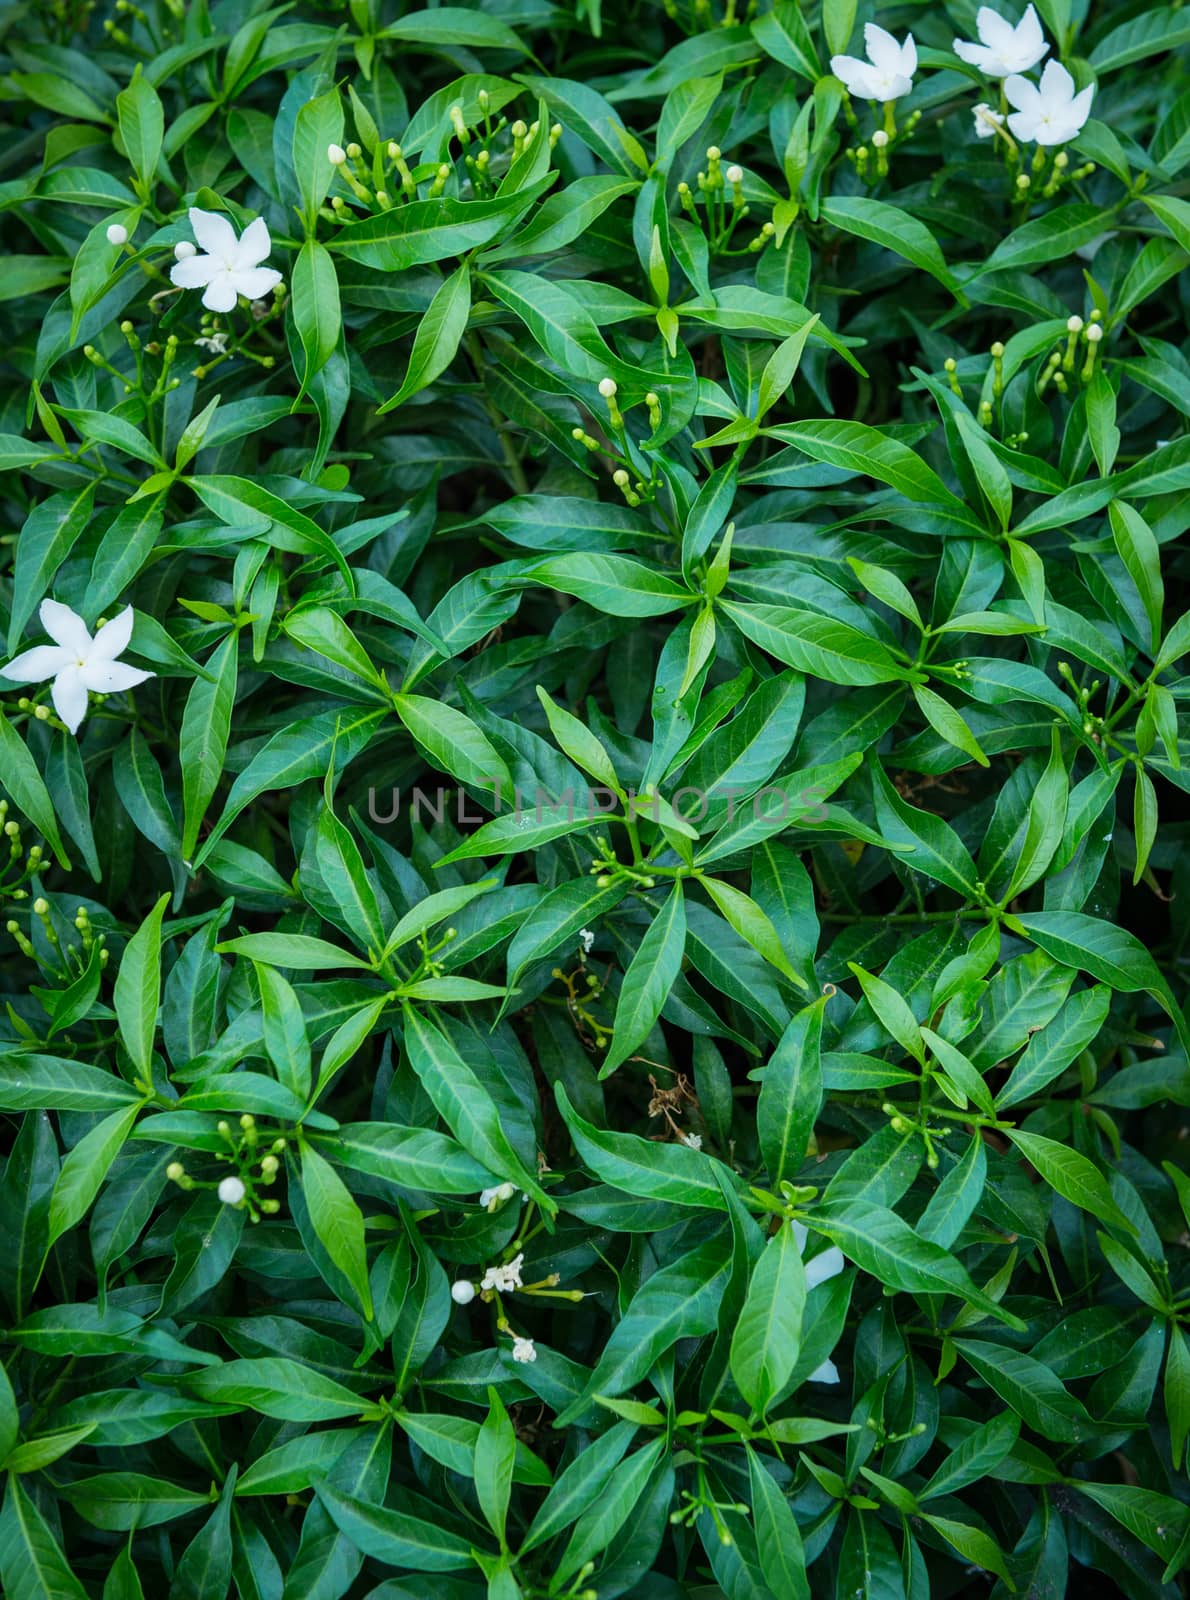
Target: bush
{"x":595,"y":902}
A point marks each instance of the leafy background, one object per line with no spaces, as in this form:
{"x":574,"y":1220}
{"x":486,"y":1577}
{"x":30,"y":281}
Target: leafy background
{"x":928,"y":1006}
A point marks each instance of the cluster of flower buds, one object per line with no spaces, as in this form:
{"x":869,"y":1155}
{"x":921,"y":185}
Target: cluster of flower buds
{"x":256,"y":1166}
{"x":1093,"y":726}
{"x":723,"y":206}
{"x":871,"y":159}
{"x":19,"y":864}
{"x":1062,"y":362}
{"x":620,"y":452}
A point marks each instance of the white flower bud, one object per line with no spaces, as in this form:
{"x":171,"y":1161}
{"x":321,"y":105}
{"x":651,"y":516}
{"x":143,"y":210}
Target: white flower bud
{"x":336,"y":154}
{"x":879,"y":139}
{"x":232,"y":1191}
{"x":523,"y":1349}
{"x":117,"y":233}
{"x":607,"y":387}
{"x":462,"y":1292}
{"x":1074,"y":325}
{"x":1094,"y":333}
{"x":713,"y":152}
{"x":183,"y":250}
{"x":620,"y":478}
{"x":735,"y":174}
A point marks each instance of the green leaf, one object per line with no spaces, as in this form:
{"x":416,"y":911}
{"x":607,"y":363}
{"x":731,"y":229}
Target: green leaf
{"x":338,"y":1222}
{"x":895,"y":230}
{"x":1071,"y":1175}
{"x":316,"y":312}
{"x":674,"y":1172}
{"x":651,"y":975}
{"x":791,"y":1094}
{"x":23,"y":784}
{"x":465,"y":1105}
{"x":880,"y":1243}
{"x":438,"y":336}
{"x":32,"y":1565}
{"x":85,"y":1169}
{"x":141,"y":121}
{"x":137,"y":990}
{"x":767,"y":1336}
{"x":393,"y":1537}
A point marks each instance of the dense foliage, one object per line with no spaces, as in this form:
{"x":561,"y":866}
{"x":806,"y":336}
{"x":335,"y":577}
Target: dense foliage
{"x":594,"y":904}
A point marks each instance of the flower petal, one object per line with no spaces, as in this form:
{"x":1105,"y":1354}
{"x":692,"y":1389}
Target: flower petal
{"x":856,"y":76}
{"x":109,"y":677}
{"x":827,"y":1265}
{"x":113,"y":637}
{"x":994,"y":30}
{"x":255,"y":282}
{"x":1057,"y":86}
{"x":69,"y":695}
{"x":975,"y":55}
{"x":883,"y":50}
{"x":193,"y":272}
{"x":64,"y":626}
{"x":1080,"y":107}
{"x":1022,"y":94}
{"x":214,"y":232}
{"x":254,"y":245}
{"x":36,"y":665}
{"x":220,"y":293}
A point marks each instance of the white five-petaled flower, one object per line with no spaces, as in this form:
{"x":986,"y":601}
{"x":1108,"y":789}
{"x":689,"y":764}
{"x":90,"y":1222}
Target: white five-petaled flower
{"x":76,"y":661}
{"x":490,"y":1199}
{"x":230,"y":267}
{"x":504,"y":1278}
{"x":1004,"y":47}
{"x":1049,"y":112}
{"x":827,"y":1264}
{"x":887,"y":74}
{"x":232,"y":1191}
{"x":987,"y":121}
{"x":523,"y":1349}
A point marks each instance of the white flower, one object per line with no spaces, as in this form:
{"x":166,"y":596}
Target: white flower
{"x":693,"y":1140}
{"x":523,"y":1349}
{"x":336,"y":154}
{"x":117,"y":233}
{"x":76,"y":662}
{"x":1003,"y":47}
{"x":1050,"y":113}
{"x":232,"y":1191}
{"x":826,"y":1373}
{"x":490,"y":1199}
{"x":504,"y":1278}
{"x":183,"y":250}
{"x":887,"y":74}
{"x":231,"y":266}
{"x":216,"y":343}
{"x":987,"y":121}
{"x":586,"y":939}
{"x":821,"y":1267}
{"x":462,"y":1292}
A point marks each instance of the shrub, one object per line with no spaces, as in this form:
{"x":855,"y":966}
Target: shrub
{"x":594,"y":904}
